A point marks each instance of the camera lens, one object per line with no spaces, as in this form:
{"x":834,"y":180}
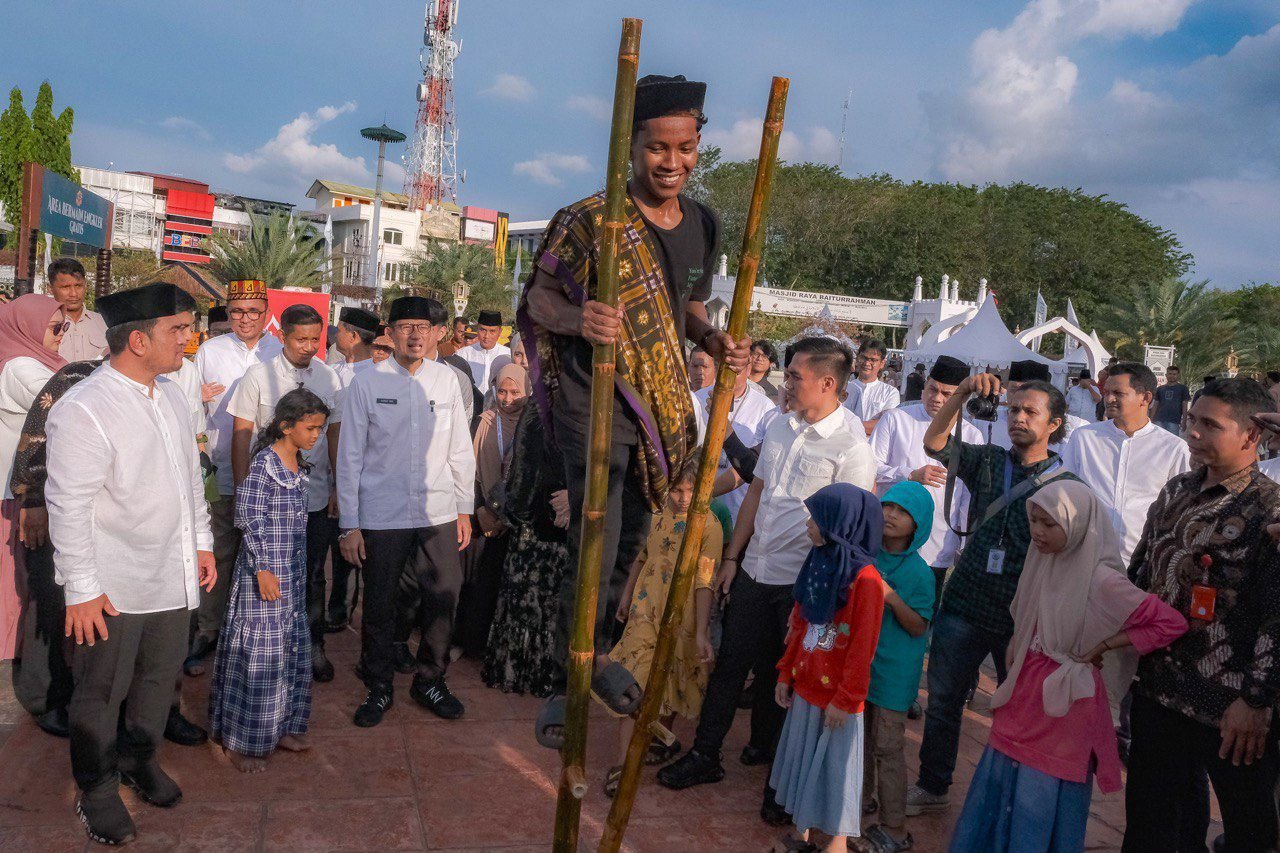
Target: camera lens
{"x":982,"y":408}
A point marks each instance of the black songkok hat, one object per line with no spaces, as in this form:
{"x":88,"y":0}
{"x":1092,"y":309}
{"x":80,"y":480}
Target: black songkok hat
{"x":489,"y":318}
{"x":361,"y":319}
{"x":658,"y":96}
{"x":217,"y":314}
{"x":144,"y":303}
{"x":411,"y":308}
{"x":1028,"y":371}
{"x":949,"y":370}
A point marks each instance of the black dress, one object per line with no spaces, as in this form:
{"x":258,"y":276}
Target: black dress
{"x":521,"y":648}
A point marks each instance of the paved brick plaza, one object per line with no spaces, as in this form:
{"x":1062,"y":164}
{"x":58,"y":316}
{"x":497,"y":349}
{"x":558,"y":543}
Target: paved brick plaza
{"x":415,"y":783}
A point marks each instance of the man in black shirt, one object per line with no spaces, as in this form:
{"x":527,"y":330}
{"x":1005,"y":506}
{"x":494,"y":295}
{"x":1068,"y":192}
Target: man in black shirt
{"x":665,"y":269}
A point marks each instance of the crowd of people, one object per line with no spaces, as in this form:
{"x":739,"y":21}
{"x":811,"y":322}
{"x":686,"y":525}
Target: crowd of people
{"x":167,"y":517}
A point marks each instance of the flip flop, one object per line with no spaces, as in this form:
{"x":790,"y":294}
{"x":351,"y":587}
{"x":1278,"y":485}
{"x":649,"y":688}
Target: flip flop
{"x":552,"y":714}
{"x":610,"y":686}
{"x":660,"y":753}
{"x":611,"y":781}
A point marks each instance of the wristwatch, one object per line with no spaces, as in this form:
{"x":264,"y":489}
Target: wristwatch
{"x":345,"y":533}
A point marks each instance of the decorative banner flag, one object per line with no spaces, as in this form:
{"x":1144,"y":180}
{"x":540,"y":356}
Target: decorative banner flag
{"x":278,"y":300}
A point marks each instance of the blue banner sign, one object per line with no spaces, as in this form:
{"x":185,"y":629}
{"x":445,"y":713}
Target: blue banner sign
{"x":72,"y":212}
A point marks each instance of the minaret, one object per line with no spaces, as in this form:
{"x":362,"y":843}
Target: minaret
{"x":917,"y":295}
{"x":982,"y":290}
{"x":944,"y":292}
{"x":955,"y":290}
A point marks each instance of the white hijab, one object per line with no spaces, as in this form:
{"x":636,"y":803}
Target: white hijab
{"x":1071,"y":600}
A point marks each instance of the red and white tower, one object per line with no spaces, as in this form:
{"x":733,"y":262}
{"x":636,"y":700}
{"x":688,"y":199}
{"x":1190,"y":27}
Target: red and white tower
{"x":432,"y":172}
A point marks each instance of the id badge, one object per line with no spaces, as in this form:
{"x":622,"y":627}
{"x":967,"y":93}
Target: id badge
{"x":995,"y":561}
{"x":1202,"y":601}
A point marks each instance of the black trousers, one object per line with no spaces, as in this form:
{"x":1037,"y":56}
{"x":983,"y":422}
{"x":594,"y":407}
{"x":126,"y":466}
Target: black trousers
{"x":136,"y":665}
{"x":1169,"y":755}
{"x":626,"y":525}
{"x":755,"y":635}
{"x":42,"y":679}
{"x":479,"y":598}
{"x":431,"y":555}
{"x":322,"y":533}
{"x":340,"y":605}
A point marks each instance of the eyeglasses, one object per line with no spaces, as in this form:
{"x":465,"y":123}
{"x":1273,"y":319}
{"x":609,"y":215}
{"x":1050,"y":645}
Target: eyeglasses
{"x":251,"y":313}
{"x":60,"y":328}
{"x":410,"y":328}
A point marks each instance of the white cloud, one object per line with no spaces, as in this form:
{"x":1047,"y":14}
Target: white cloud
{"x":510,"y":87}
{"x":592,"y":105}
{"x":741,"y":141}
{"x":292,"y":155}
{"x":549,"y":168}
{"x":185,"y":126}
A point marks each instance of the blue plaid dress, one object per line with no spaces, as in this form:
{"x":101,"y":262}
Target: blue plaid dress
{"x":261,"y":687}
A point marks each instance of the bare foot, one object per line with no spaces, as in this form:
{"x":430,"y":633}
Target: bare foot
{"x":294,"y":743}
{"x":245,"y":763}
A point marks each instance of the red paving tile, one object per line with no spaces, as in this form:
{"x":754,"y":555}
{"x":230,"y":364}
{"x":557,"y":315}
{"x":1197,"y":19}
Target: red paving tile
{"x":416,"y":782}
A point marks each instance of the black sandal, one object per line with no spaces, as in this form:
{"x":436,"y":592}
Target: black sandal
{"x":660,"y":753}
{"x":791,"y":844}
{"x":551,"y":716}
{"x":611,"y":781}
{"x":610,"y":686}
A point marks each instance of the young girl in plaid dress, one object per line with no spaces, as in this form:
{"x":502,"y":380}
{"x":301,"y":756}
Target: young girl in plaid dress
{"x":261,"y":693}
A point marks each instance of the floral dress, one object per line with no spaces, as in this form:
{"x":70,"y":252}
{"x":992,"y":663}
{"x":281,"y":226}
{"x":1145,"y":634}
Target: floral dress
{"x":261,"y":687}
{"x":687,"y":682}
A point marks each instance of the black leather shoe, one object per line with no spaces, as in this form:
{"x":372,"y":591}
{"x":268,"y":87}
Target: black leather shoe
{"x":406,"y":664}
{"x":771,"y":812}
{"x":436,"y":698}
{"x":153,"y":785}
{"x":377,"y":703}
{"x":54,"y":722}
{"x":321,"y":669}
{"x":105,"y":818}
{"x":200,"y":648}
{"x":754,"y":756}
{"x":182,"y":731}
{"x":691,"y":769}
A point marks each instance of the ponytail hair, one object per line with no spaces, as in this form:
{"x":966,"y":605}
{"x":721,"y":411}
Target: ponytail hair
{"x":293,"y":407}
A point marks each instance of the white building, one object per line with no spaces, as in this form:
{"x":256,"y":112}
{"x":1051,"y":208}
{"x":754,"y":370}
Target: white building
{"x":526,"y":235}
{"x":140,"y":211}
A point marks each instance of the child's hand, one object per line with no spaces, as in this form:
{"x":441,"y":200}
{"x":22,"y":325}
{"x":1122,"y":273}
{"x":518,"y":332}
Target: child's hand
{"x":706,"y":654}
{"x":1093,"y":656}
{"x":268,"y":586}
{"x":834,"y":718}
{"x":782,"y":694}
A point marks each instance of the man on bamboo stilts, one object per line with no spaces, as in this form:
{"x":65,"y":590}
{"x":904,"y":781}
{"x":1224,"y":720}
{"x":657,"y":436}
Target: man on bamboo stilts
{"x":665,"y":266}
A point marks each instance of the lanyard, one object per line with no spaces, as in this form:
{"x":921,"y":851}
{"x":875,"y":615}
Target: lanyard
{"x":502,"y":447}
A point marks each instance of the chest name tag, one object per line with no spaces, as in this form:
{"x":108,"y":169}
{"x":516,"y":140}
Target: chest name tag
{"x":388,"y":401}
{"x":995,"y":561}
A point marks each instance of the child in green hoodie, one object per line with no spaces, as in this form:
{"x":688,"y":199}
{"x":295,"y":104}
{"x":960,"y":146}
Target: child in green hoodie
{"x":899,"y":660}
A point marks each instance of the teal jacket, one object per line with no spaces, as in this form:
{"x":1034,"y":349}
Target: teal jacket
{"x":899,"y":660}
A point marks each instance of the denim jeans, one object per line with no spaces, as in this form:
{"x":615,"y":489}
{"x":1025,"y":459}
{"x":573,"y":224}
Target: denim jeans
{"x":1169,"y":426}
{"x":956,"y":652}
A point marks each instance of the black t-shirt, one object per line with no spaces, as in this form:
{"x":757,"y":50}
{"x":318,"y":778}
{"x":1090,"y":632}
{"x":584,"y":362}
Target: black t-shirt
{"x":687,"y":253}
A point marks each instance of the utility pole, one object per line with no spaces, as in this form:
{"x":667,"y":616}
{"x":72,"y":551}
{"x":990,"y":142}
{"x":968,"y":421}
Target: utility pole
{"x":382,"y":135}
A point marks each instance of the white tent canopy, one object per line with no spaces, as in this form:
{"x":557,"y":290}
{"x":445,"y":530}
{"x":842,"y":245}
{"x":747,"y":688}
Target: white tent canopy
{"x":1088,"y":351}
{"x":985,"y":341}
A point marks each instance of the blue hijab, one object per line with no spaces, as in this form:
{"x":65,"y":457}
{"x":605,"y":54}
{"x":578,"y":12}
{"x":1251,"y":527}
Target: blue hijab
{"x":851,"y":524}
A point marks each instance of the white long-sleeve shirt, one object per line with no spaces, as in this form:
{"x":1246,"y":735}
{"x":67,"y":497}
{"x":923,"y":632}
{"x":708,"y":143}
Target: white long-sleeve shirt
{"x":898,"y":445}
{"x":224,"y":360}
{"x":868,"y":400}
{"x":258,"y":393}
{"x":485,"y":363}
{"x":126,"y":499}
{"x":20,"y":384}
{"x":405,"y":457}
{"x":188,"y":379}
{"x":1126,"y":472}
{"x":796,"y":459}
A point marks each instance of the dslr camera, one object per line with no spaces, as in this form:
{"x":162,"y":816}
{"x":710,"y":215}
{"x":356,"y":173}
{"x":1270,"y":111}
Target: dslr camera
{"x":983,"y":408}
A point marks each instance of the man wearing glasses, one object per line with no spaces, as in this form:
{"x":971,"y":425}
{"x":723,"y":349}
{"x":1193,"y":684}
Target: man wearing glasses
{"x":406,"y":491}
{"x":868,"y":396}
{"x":222,"y":362}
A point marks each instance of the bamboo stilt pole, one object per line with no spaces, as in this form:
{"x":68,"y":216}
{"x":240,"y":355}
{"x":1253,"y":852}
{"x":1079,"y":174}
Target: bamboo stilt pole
{"x":599,"y":437}
{"x":717,"y":426}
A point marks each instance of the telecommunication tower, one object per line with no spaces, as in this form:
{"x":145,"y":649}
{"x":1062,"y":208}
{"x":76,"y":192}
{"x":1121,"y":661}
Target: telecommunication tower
{"x":432,"y":173}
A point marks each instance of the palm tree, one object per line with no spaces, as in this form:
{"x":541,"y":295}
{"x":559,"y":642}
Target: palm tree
{"x":432,"y":272}
{"x":281,"y":250}
{"x":1174,"y":313}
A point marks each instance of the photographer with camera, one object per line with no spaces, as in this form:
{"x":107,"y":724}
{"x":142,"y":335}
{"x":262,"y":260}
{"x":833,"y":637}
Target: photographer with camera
{"x":973,"y":620}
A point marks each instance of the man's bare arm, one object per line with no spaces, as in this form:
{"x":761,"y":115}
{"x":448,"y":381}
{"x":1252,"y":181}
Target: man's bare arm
{"x":551,"y":309}
{"x":241,"y":441}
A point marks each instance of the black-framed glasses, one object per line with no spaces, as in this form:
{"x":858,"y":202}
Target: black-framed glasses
{"x":251,"y":313}
{"x":410,"y":328}
{"x":60,"y":328}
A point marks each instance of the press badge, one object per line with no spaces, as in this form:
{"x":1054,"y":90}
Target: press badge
{"x":995,"y":561}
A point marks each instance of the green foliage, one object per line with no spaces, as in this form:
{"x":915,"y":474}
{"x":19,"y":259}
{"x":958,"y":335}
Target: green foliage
{"x":432,"y":272}
{"x":132,"y":268}
{"x":281,"y":250}
{"x":1169,"y":312}
{"x":872,"y":235}
{"x":38,"y":138}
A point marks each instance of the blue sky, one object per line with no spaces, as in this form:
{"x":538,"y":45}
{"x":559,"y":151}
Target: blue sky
{"x":1171,"y":106}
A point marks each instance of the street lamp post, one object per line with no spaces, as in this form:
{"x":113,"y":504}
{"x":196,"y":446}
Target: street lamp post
{"x":461,"y":290}
{"x":382,"y":135}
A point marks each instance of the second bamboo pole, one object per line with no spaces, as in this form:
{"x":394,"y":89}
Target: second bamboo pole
{"x":717,"y":426}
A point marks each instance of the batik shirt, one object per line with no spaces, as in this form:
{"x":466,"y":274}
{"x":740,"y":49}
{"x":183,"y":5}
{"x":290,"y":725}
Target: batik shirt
{"x":1236,"y":654}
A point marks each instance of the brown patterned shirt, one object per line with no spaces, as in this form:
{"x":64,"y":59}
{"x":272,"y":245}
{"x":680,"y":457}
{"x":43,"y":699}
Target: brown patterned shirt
{"x":1235,"y":655}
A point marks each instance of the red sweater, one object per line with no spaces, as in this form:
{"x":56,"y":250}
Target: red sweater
{"x":837,"y":670}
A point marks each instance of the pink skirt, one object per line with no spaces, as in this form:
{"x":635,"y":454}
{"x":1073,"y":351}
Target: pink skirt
{"x":12,"y":578}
